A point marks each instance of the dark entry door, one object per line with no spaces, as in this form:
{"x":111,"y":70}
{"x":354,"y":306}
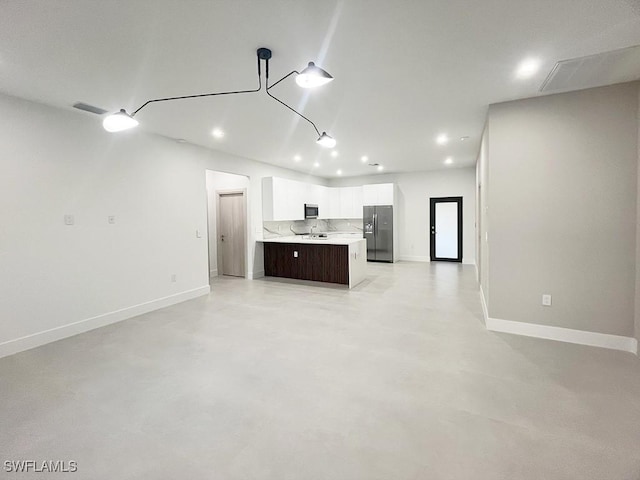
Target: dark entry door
{"x":446,"y":229}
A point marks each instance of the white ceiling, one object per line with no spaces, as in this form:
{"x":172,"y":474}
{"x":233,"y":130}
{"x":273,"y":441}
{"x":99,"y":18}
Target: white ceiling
{"x":404,"y":71}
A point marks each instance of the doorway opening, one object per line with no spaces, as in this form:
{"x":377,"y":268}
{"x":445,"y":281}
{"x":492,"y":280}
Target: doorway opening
{"x":446,"y":229}
{"x":227,"y":223}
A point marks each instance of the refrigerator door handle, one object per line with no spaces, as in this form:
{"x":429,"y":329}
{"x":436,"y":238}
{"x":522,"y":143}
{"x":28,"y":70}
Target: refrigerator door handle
{"x":375,"y":224}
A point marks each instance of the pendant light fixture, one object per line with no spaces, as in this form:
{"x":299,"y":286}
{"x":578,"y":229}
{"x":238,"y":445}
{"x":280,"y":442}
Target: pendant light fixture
{"x":119,"y":121}
{"x":326,"y":141}
{"x":310,"y":77}
{"x":313,"y":76}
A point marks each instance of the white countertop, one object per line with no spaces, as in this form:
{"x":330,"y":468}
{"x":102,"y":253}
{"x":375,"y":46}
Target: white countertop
{"x":331,"y":240}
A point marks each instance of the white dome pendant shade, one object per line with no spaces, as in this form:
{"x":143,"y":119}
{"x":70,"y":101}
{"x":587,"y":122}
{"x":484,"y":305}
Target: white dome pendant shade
{"x":313,"y":76}
{"x":117,"y":122}
{"x":326,"y":141}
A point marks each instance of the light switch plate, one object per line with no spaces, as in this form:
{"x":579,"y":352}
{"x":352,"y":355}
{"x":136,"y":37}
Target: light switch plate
{"x":546,"y":300}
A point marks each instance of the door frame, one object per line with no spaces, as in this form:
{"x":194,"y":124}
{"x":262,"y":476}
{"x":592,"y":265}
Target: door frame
{"x":432,"y":227}
{"x":232,"y":191}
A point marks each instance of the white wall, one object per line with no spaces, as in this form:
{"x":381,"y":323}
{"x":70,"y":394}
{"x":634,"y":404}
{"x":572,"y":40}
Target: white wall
{"x":217,"y":181}
{"x":637,"y":300}
{"x":58,"y":280}
{"x":563,"y":172}
{"x":414,"y":191}
{"x":482,"y":229}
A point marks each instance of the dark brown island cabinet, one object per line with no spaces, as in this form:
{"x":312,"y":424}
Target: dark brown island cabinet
{"x":342,"y":261}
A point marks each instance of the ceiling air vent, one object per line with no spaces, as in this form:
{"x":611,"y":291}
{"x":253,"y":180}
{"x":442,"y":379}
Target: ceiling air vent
{"x":608,"y":68}
{"x":89,"y":108}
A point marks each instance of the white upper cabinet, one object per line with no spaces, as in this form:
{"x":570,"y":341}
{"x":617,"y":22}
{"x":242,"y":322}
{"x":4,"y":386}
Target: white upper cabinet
{"x":378,"y":194}
{"x":369,"y":195}
{"x":358,"y":202}
{"x":284,"y":199}
{"x":346,"y":202}
{"x":334,"y":203}
{"x":386,"y":194}
{"x":350,"y":202}
{"x":323,"y":200}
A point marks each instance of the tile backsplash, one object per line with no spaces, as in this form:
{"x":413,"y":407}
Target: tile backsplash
{"x":303,"y":227}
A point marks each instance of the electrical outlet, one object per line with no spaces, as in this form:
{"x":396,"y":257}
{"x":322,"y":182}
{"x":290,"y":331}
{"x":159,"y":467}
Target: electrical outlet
{"x":174,"y":278}
{"x":295,"y":254}
{"x":546,"y":300}
{"x":198,"y":234}
{"x":69,"y":220}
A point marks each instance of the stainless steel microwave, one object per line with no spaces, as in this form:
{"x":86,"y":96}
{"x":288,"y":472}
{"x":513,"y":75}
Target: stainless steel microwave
{"x":310,"y":210}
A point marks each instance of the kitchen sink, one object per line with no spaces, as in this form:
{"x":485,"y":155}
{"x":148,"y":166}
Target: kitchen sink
{"x":319,"y":236}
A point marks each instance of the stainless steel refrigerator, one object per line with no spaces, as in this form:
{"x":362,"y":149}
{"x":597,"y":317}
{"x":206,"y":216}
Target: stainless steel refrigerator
{"x":378,"y":230}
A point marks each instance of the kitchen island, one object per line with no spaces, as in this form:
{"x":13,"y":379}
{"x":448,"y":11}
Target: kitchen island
{"x":321,"y":259}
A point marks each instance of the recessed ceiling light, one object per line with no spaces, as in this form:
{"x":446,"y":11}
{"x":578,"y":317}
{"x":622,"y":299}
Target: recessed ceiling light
{"x":181,"y":140}
{"x":466,"y":137}
{"x":217,"y":133}
{"x":448,"y":161}
{"x":364,"y":159}
{"x":528,"y":68}
{"x":334,"y":153}
{"x":380,"y":168}
{"x":316,"y":164}
{"x":339,"y":172}
{"x":297,"y":158}
{"x":442,"y":139}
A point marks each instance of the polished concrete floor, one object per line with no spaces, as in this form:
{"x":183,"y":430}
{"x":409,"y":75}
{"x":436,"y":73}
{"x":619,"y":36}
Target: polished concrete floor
{"x":266,"y":379}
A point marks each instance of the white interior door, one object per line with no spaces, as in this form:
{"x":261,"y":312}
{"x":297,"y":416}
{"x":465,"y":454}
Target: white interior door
{"x":231,"y":234}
